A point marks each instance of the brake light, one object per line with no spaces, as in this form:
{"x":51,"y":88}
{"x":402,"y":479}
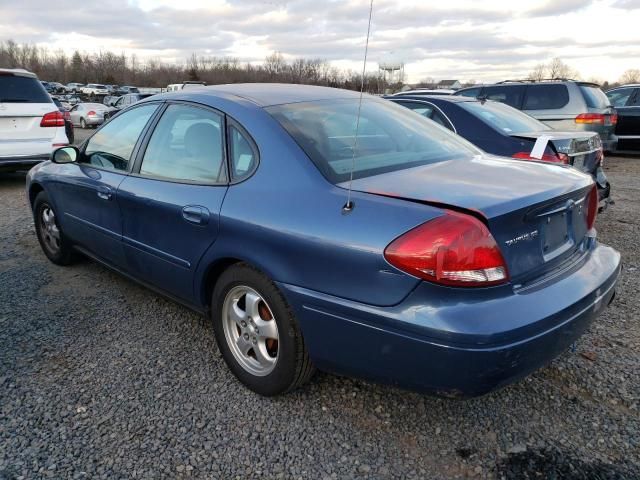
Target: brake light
{"x":52,"y":119}
{"x":614,"y":119}
{"x":590,"y":118}
{"x":592,"y":207}
{"x":454,"y":249}
{"x":559,"y":158}
{"x":91,"y":112}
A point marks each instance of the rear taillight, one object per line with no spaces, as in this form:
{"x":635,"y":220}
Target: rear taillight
{"x":91,"y":112}
{"x":559,"y":158}
{"x":590,"y":118}
{"x":67,"y":116}
{"x":454,"y":249}
{"x":52,"y":119}
{"x":614,"y":119}
{"x":592,"y":207}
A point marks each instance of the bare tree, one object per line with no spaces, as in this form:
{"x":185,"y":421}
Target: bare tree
{"x":630,"y":76}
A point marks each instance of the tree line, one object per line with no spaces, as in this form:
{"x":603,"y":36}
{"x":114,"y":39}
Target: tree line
{"x":120,"y":69}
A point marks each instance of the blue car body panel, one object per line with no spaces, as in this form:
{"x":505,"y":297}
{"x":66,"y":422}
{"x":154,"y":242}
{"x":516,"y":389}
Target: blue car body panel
{"x":359,"y":315}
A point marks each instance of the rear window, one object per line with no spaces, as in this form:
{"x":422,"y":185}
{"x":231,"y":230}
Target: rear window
{"x":504,"y":118}
{"x":17,"y":89}
{"x":390,"y":137}
{"x":546,"y":97}
{"x":594,"y":97}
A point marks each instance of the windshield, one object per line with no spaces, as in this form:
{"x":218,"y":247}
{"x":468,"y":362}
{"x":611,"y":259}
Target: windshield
{"x":504,"y":118}
{"x":18,"y":89}
{"x":594,"y":97}
{"x":390,"y":137}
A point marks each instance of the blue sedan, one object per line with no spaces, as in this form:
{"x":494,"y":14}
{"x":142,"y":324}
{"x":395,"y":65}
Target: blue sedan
{"x":380,"y":246}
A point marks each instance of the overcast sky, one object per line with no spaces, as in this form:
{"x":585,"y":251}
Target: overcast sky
{"x":484,"y":41}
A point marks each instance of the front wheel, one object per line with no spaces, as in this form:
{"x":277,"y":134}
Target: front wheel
{"x":257,"y":332}
{"x":52,"y":240}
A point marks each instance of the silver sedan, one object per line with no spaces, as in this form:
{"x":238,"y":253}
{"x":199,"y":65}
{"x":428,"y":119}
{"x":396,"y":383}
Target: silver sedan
{"x":87,"y":114}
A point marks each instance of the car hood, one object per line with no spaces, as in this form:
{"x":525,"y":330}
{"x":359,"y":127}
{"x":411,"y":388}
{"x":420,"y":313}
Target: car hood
{"x":487,"y":184}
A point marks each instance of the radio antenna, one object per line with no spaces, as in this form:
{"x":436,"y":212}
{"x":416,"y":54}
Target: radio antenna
{"x":349,"y":205}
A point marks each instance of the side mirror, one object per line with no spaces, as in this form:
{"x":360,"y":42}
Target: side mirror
{"x":65,"y":155}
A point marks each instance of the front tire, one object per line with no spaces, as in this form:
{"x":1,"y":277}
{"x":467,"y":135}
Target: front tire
{"x":257,"y":332}
{"x":83,"y":124}
{"x":54,"y":244}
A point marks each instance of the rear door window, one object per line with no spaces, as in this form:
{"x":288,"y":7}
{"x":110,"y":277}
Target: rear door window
{"x":242,"y":153}
{"x":509,"y":94}
{"x":470,"y":92}
{"x":546,"y":97}
{"x":594,"y":97}
{"x":17,"y":89}
{"x":635,"y":100}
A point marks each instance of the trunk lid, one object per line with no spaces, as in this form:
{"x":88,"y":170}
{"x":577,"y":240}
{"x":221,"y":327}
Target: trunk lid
{"x":584,"y":149}
{"x":535,"y":211}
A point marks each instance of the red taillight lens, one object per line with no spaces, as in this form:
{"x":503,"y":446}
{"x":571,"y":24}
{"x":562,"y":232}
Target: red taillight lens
{"x":52,"y":119}
{"x":67,"y":116}
{"x":590,"y":118}
{"x":614,"y":119}
{"x":453,"y":249}
{"x":592,"y":207}
{"x":559,"y":158}
{"x":91,"y":112}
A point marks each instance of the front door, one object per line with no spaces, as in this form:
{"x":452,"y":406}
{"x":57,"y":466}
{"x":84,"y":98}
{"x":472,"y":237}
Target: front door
{"x":628,"y":127}
{"x":171,"y":203}
{"x":86,"y":191}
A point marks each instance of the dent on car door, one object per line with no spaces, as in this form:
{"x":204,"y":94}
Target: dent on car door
{"x":171,"y":204}
{"x":86,"y":191}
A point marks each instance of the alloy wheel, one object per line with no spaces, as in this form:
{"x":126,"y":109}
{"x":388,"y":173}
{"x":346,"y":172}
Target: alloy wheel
{"x":49,"y":229}
{"x":250,"y":330}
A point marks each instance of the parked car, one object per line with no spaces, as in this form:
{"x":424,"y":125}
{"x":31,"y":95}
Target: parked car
{"x":74,"y":87}
{"x":124,"y":101}
{"x":92,"y":90}
{"x":113,"y":89}
{"x":626,"y":100}
{"x":68,"y":126}
{"x":437,"y":268}
{"x":174,"y":87}
{"x":48,"y":87}
{"x":561,"y":104}
{"x":500,"y":129}
{"x":425,"y":91}
{"x":88,"y":114}
{"x":57,"y":88}
{"x":110,"y":100}
{"x":126,"y":89}
{"x":31,"y":126}
{"x":71,"y":98}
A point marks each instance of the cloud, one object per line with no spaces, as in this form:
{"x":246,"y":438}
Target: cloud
{"x":461,"y":37}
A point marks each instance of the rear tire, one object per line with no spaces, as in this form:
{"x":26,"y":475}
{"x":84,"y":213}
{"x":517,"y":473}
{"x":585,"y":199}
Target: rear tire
{"x":54,"y":244}
{"x":269,"y":359}
{"x":83,"y":124}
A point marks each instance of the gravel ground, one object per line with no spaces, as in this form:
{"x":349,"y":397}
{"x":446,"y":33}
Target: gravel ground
{"x":101,"y":378}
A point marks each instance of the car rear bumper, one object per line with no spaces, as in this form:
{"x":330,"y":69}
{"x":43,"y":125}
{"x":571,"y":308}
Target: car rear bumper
{"x":458,"y":342}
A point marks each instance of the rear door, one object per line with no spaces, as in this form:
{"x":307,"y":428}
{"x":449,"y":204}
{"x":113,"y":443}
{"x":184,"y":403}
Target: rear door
{"x":511,"y":94}
{"x":86,"y":191}
{"x":23,"y":103}
{"x":628,"y":127}
{"x":171,"y":203}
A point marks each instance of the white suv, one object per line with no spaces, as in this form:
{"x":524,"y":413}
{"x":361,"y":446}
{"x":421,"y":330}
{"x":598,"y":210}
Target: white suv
{"x":31,"y":126}
{"x":93,"y":89}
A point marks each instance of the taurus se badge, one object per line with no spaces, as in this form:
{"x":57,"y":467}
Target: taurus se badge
{"x":522,"y":238}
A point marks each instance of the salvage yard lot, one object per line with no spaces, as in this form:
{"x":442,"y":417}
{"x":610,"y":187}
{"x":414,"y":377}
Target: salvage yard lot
{"x":101,"y":378}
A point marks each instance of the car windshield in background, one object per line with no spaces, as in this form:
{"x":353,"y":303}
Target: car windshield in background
{"x":504,"y":118}
{"x":390,"y":137}
{"x":18,"y":89}
{"x":594,"y":97}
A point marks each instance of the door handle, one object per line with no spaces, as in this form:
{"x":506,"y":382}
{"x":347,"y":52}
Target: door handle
{"x":105,"y":193}
{"x":195,"y":214}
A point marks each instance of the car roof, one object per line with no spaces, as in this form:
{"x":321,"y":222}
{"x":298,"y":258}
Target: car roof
{"x":626,"y":85}
{"x":20,"y":72}
{"x":443,"y":98}
{"x":267,"y":94}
